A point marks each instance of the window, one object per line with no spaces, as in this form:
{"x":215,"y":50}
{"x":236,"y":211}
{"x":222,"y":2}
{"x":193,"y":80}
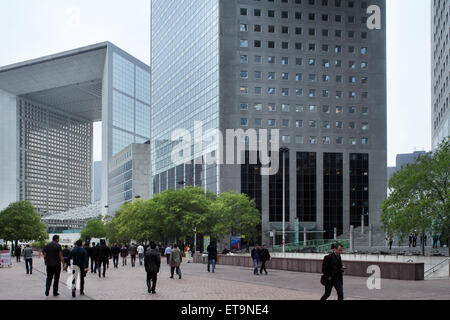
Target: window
{"x":284,"y":60}
{"x":271,"y":44}
{"x":312,"y":62}
{"x":298,"y":46}
{"x":351,"y":49}
{"x":243,"y":27}
{"x":271,"y":123}
{"x":258,"y":59}
{"x":364,"y":65}
{"x":312,"y":123}
{"x":284,"y":92}
{"x":285,"y":45}
{"x":338,"y":49}
{"x":298,"y":92}
{"x":244,"y":122}
{"x":325,"y":93}
{"x":244,"y":74}
{"x":271,"y":14}
{"x":363,"y":50}
{"x":326,"y":63}
{"x":271,"y":91}
{"x":244,"y":106}
{"x":326,"y":140}
{"x":271,"y":59}
{"x":298,"y":61}
{"x":326,"y":125}
{"x":298,"y":15}
{"x":312,"y":108}
{"x":312,"y":93}
{"x":285,"y":30}
{"x":257,"y":28}
{"x":364,"y":80}
{"x":243,"y":11}
{"x":339,"y":110}
{"x":351,"y":65}
{"x":271,"y":29}
{"x":257,"y":12}
{"x":312,"y":47}
{"x":257,"y":44}
{"x":325,"y":48}
{"x":338,"y":94}
{"x":364,"y":141}
{"x":257,"y":106}
{"x":285,"y":108}
{"x":244,"y":90}
{"x":352,"y":79}
{"x":351,"y":125}
{"x":352,"y":141}
{"x":258,"y":122}
{"x":286,"y":139}
{"x":352,"y":110}
{"x":285,"y":123}
{"x":312,"y":78}
{"x":244,"y":59}
{"x":365,"y":111}
{"x":271,"y":76}
{"x":364,"y":126}
{"x":244,"y":43}
{"x":339,"y":140}
{"x":312,"y":16}
{"x":298,"y":31}
{"x":339,"y":124}
{"x":299,"y":108}
{"x":312,"y":140}
{"x":339,"y":79}
{"x":326,"y":109}
{"x":271,"y":107}
{"x":299,"y":124}
{"x":258,"y":75}
{"x":284,"y":14}
{"x":312,"y":31}
{"x":299,"y":139}
{"x":338,"y":63}
{"x":325,"y":78}
{"x":258,"y":90}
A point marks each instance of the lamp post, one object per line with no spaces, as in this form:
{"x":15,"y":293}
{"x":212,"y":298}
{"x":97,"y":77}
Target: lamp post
{"x":284,"y":150}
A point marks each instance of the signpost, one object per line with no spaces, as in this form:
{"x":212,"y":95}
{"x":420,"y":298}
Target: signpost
{"x":5,"y":259}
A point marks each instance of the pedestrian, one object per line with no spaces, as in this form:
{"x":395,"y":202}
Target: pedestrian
{"x":391,"y":241}
{"x":115,"y":251}
{"x":18,"y":253}
{"x":66,"y":253}
{"x":410,"y":240}
{"x":425,"y":238}
{"x":167,"y":253}
{"x":28,"y":257}
{"x":333,"y":270}
{"x":175,"y":259}
{"x":414,"y":239}
{"x":94,"y":254}
{"x":152,"y":263}
{"x":53,"y":259}
{"x":212,"y":255}
{"x":124,"y":255}
{"x":80,"y":259}
{"x":104,"y":254}
{"x":441,"y":241}
{"x":132,"y":250}
{"x":264,"y":256}
{"x":255,"y":258}
{"x":141,"y":251}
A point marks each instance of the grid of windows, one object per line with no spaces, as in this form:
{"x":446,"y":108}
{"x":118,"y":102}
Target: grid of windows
{"x":123,"y":74}
{"x":251,"y":180}
{"x":276,"y":192}
{"x":55,"y":159}
{"x":142,"y":85}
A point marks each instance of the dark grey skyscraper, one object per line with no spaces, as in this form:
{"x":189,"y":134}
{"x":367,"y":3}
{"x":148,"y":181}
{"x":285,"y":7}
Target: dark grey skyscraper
{"x":311,"y":69}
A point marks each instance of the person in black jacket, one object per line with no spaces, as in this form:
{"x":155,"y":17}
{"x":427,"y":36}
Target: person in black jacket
{"x":333,"y":270}
{"x":103,"y":255}
{"x":18,"y":253}
{"x":93,"y":255}
{"x":152,"y":263}
{"x":212,"y":256}
{"x":66,"y":253}
{"x":115,"y":250}
{"x":124,"y":254}
{"x":255,"y":257}
{"x":264,"y":256}
{"x":80,"y":266}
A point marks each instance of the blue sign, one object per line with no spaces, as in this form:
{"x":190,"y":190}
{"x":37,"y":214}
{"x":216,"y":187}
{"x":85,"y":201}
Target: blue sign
{"x":236,"y":242}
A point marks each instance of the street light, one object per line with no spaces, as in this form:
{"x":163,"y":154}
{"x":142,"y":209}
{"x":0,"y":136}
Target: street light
{"x":284,"y":150}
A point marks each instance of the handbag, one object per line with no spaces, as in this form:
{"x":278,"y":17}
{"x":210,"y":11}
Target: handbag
{"x":324,"y":280}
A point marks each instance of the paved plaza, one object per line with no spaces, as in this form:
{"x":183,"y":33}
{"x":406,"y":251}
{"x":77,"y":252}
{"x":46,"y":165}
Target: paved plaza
{"x":227,"y":283}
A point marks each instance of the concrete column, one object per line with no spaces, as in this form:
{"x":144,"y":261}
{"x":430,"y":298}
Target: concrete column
{"x":335,"y":234}
{"x":362,"y":224}
{"x":370,"y":236}
{"x":274,"y":237}
{"x":351,"y":238}
{"x":304,"y":236}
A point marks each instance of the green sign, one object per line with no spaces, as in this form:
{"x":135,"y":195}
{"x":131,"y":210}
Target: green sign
{"x":206,"y":242}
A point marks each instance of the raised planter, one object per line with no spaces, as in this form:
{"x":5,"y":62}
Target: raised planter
{"x":389,"y":270}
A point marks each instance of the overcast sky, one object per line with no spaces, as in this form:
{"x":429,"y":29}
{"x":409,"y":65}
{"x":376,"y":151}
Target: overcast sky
{"x":33,"y":28}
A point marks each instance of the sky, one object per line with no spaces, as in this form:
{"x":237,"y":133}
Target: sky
{"x":34,"y":28}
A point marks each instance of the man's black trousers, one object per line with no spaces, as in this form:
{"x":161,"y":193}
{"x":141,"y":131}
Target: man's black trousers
{"x":53,"y":272}
{"x":338,"y":285}
{"x":152,"y":277}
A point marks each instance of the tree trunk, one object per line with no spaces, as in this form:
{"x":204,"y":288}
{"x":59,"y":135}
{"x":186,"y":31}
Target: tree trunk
{"x":423,"y":243}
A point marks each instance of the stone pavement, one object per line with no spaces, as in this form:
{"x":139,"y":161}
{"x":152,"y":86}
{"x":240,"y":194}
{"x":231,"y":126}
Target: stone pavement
{"x":227,"y":283}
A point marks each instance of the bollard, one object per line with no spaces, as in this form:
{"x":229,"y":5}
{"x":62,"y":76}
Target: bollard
{"x":351,"y":238}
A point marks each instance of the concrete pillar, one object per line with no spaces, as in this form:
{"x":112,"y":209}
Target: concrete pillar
{"x":335,"y":234}
{"x":304,"y":236}
{"x":370,"y":236}
{"x":351,"y":238}
{"x":362,"y":224}
{"x":274,"y":237}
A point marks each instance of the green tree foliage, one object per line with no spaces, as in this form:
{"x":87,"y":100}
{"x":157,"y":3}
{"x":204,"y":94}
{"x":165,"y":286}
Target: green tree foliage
{"x":21,"y":222}
{"x":419,"y":198}
{"x":234,"y":214}
{"x":178,"y":214}
{"x":95,"y":228}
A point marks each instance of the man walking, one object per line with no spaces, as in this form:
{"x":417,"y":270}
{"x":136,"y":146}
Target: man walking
{"x":124,"y":254}
{"x":152,"y":263}
{"x":141,"y":251}
{"x":264,"y":256}
{"x":175,"y":259}
{"x":255,"y":258}
{"x":94,"y":253}
{"x":66,"y":253}
{"x":18,"y":253}
{"x":80,"y":266}
{"x":333,"y":270}
{"x":104,"y":254}
{"x":115,"y":251}
{"x":28,"y":256}
{"x":132,"y":250}
{"x":53,"y":259}
{"x":167,"y":253}
{"x":212,"y":256}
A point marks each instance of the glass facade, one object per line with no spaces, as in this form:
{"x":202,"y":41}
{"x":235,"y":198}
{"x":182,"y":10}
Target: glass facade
{"x":251,"y":180}
{"x":185,"y":82}
{"x":276,"y":192}
{"x":359,"y":188}
{"x":130,"y":104}
{"x":332,"y":194}
{"x":306,"y":186}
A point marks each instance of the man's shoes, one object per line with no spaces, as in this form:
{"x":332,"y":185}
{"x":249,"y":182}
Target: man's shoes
{"x":171,"y":277}
{"x":149,"y":290}
{"x":73,"y":294}
{"x":47,"y":292}
{"x":56,"y":294}
{"x":81,"y":293}
{"x":153,"y":291}
{"x":179,"y":276}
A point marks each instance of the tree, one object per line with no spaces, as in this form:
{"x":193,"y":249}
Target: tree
{"x":95,"y":228}
{"x":234,"y":214}
{"x":420,"y":194}
{"x":21,"y":222}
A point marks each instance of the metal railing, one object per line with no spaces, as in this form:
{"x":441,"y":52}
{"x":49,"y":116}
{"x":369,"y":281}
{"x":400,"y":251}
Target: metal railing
{"x":319,"y":246}
{"x":435,"y":268}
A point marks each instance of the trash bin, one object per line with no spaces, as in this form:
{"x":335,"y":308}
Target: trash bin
{"x":205,"y":258}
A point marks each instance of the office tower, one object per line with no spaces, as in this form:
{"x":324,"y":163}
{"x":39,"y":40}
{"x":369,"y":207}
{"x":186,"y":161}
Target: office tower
{"x":48,"y":107}
{"x":310,"y":68}
{"x":440,"y":116}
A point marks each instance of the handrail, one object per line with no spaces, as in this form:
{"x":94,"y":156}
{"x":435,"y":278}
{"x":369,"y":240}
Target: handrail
{"x":433,"y":269}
